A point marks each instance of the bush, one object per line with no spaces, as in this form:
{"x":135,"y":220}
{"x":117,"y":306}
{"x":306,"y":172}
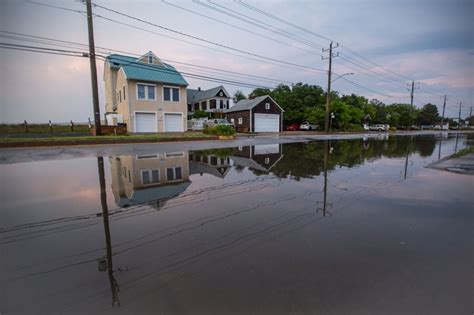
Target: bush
{"x":393,"y":128}
{"x":200,"y":114}
{"x":355,"y":127}
{"x":206,"y":129}
{"x":223,"y":130}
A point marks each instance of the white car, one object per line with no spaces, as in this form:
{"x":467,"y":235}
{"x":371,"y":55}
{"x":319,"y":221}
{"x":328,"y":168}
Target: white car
{"x":307,"y":126}
{"x":377,"y":127}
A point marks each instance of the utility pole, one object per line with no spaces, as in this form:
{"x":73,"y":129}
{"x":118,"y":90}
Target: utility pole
{"x":459,"y":116}
{"x":328,"y":96}
{"x":95,"y":93}
{"x":444,"y":107}
{"x":411,"y":95}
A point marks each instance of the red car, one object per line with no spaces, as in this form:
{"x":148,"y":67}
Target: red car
{"x":293,"y":127}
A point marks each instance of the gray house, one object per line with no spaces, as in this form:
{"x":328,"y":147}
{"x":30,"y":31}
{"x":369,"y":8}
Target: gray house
{"x":212,"y":100}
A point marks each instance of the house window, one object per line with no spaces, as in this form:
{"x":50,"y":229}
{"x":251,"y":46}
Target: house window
{"x":267,"y":105}
{"x":120,"y":96}
{"x":240,"y":120}
{"x":174,"y":173}
{"x":213,"y":160}
{"x":204,"y":105}
{"x":232,"y":121}
{"x":227,"y":104}
{"x":213,"y":104}
{"x":171,"y":94}
{"x":267,"y":160}
{"x":150,"y":59}
{"x":150,"y":176}
{"x":196,"y":106}
{"x":124,"y":93}
{"x":146,"y":92}
{"x":221,"y":104}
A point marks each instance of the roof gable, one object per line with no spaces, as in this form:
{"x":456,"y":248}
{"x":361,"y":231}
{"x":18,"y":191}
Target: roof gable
{"x":137,"y":69}
{"x":247,"y":104}
{"x":200,"y":95}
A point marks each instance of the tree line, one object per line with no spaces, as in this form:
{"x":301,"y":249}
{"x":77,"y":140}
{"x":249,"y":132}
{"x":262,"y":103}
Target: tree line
{"x":304,"y":102}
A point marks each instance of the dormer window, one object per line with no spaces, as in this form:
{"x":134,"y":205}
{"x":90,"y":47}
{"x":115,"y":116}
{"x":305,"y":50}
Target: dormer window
{"x":150,"y":58}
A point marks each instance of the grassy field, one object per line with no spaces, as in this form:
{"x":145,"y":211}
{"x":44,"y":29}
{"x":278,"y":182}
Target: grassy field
{"x":77,"y":139}
{"x":463,"y":152}
{"x":40,"y":128}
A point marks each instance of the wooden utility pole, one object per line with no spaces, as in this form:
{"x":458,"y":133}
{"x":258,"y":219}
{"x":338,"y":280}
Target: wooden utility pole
{"x":459,"y":116}
{"x":444,"y":107}
{"x":95,"y":93}
{"x":328,"y":96}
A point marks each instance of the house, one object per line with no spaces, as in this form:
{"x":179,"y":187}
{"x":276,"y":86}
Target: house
{"x":149,"y":179}
{"x":262,"y":157}
{"x":201,"y":162}
{"x":261,"y":114}
{"x":145,"y":93}
{"x":212,"y":100}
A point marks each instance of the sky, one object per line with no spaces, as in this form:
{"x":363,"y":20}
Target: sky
{"x":428,"y":41}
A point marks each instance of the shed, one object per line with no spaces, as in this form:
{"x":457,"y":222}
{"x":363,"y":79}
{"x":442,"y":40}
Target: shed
{"x":260,"y":114}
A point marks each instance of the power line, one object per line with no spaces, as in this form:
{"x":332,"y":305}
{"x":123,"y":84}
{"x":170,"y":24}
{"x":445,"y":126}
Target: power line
{"x":202,"y":39}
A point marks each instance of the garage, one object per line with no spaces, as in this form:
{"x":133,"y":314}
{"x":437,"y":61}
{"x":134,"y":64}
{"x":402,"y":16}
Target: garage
{"x":267,"y":123}
{"x":259,"y":114}
{"x":173,"y":123}
{"x":145,"y":122}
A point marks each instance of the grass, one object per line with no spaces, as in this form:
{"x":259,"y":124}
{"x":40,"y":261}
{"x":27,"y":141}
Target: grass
{"x":463,"y":152}
{"x":40,"y":128}
{"x":78,"y":139}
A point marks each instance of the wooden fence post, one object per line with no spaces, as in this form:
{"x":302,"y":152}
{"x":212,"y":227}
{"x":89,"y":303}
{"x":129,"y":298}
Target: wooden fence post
{"x":50,"y":127}
{"x":72,"y":126}
{"x":26,"y":126}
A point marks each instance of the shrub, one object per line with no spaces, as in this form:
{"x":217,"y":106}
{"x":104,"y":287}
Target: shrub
{"x":222,"y":130}
{"x":206,"y":129}
{"x":200,"y":114}
{"x":393,"y":128}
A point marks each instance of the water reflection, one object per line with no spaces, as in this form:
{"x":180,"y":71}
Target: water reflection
{"x":236,"y":223}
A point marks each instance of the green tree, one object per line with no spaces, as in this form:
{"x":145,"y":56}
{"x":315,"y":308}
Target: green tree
{"x":238,"y":96}
{"x":429,"y":115}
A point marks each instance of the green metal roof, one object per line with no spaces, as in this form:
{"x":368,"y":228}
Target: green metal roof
{"x":136,"y":70}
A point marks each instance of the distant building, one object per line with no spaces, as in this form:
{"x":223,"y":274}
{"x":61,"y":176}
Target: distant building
{"x":261,"y":114}
{"x":211,"y":100}
{"x":262,"y":157}
{"x":145,"y":93}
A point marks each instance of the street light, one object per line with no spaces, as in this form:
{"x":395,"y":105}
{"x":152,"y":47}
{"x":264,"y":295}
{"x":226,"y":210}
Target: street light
{"x":330,"y":124}
{"x":342,"y":75}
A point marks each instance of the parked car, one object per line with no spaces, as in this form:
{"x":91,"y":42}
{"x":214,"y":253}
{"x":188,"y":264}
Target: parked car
{"x":293,"y":127}
{"x":307,"y":126}
{"x":377,"y":127}
{"x":218,"y":121}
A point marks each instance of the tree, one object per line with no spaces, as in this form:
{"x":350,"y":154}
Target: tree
{"x":429,"y":115}
{"x":238,"y":96}
{"x":200,"y":114}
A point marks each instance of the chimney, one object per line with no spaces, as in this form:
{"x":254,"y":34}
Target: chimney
{"x":199,"y":88}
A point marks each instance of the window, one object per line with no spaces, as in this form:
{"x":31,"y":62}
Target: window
{"x":120,"y":96}
{"x":150,"y":176}
{"x":196,"y":106}
{"x":174,"y":173}
{"x":227,"y":104}
{"x":213,"y":160}
{"x":146,"y":92}
{"x":232,"y":121}
{"x":240,"y":120}
{"x":204,"y":105}
{"x":267,"y":105}
{"x":212,"y":104}
{"x":171,"y":94}
{"x":267,"y":160}
{"x":150,"y":59}
{"x":124,"y":93}
{"x":221,"y":104}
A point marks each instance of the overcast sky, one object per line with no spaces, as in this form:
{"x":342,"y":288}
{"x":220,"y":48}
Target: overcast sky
{"x":431,"y":41}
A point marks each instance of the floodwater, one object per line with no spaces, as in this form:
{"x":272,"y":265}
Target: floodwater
{"x":337,"y":227}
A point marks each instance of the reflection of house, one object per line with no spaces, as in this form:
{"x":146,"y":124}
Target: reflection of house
{"x":258,"y":157}
{"x":145,"y":93}
{"x":212,"y":100}
{"x":261,"y":114}
{"x":149,"y":179}
{"x":200,"y":163}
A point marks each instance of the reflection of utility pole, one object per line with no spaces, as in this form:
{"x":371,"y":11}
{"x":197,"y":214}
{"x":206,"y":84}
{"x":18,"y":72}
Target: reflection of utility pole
{"x":456,"y":145}
{"x":114,"y":287}
{"x":406,"y":165}
{"x":439,"y":150}
{"x":325,"y":189}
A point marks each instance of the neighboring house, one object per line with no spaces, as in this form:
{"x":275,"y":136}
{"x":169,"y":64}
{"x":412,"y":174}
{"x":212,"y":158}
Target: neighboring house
{"x":261,"y":114}
{"x":201,"y":163}
{"x":145,"y":93}
{"x":149,"y":179}
{"x":212,"y":100}
{"x":262,"y":157}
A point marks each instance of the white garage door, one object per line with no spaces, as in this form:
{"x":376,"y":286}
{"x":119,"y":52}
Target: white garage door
{"x":173,"y":122}
{"x":145,"y":122}
{"x":267,"y":123}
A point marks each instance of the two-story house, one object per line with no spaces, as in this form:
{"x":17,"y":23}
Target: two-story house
{"x":211,"y":100}
{"x":145,"y":93}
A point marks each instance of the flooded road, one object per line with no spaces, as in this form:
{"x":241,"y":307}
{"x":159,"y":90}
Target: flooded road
{"x":326,"y":227}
